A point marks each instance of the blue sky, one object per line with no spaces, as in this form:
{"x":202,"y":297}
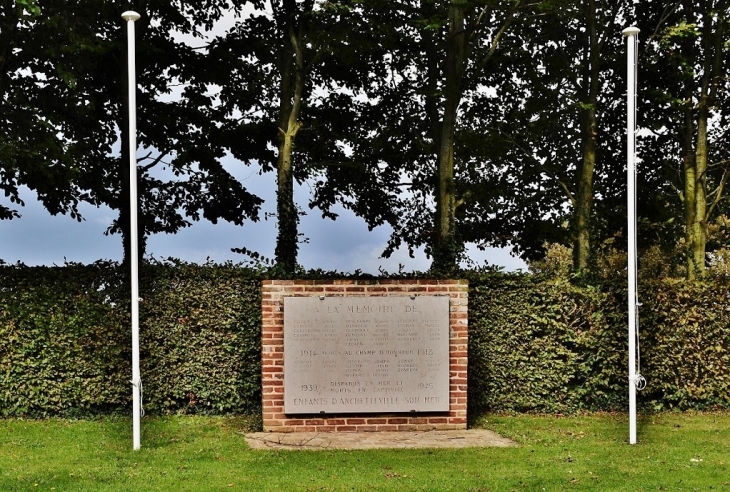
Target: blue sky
{"x":345,"y":245}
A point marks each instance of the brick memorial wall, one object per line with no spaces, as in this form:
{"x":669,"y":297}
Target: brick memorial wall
{"x":364,"y":355}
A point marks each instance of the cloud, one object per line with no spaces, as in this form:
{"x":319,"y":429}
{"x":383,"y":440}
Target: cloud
{"x":344,"y":245}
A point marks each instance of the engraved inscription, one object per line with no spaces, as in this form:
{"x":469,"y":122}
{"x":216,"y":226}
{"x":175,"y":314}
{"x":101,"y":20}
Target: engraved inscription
{"x":366,"y":354}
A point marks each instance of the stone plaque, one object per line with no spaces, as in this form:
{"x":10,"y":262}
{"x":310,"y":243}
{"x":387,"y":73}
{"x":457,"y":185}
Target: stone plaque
{"x":366,"y":354}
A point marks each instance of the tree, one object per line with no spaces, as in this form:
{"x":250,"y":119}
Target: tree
{"x":598,"y":33}
{"x":689,"y":111}
{"x":424,"y":60}
{"x":33,"y":145}
{"x":558,"y":129}
{"x":81,"y":48}
{"x":274,"y":76}
{"x":465,"y":23}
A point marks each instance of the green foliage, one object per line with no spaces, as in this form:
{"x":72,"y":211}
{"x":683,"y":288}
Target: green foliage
{"x":63,"y":81}
{"x":537,"y":343}
{"x":687,"y":348}
{"x":546,"y":345}
{"x":67,"y":339}
{"x":30,"y":6}
{"x":525,"y":344}
{"x":202,"y":339}
{"x":64,"y":340}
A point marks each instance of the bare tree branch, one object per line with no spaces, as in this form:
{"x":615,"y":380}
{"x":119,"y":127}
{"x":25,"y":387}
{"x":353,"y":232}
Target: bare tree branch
{"x":668,"y":10}
{"x":154,"y":162}
{"x":509,"y":18}
{"x":718,"y":193}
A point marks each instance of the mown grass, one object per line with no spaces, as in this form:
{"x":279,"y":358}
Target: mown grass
{"x":675,"y":452}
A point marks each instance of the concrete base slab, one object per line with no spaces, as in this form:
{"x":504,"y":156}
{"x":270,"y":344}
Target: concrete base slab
{"x":472,"y":438}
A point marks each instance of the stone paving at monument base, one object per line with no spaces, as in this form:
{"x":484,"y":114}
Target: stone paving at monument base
{"x":472,"y":438}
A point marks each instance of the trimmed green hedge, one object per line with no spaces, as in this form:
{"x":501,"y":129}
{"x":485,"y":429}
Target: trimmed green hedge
{"x":67,"y":339}
{"x":686,"y":345}
{"x":546,"y":345}
{"x":536,"y":344}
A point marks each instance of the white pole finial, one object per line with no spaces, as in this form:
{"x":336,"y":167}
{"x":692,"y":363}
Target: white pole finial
{"x":631,"y":34}
{"x":130,"y":17}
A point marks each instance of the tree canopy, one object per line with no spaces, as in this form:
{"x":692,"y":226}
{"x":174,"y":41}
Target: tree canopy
{"x":491,"y":122}
{"x":65,"y":101}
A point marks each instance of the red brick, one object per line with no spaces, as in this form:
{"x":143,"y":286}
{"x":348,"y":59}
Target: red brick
{"x":317,"y":428}
{"x":272,"y":337}
{"x":367,"y":428}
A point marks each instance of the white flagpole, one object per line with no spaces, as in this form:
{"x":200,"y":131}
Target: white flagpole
{"x":631,"y":34}
{"x":130,"y":17}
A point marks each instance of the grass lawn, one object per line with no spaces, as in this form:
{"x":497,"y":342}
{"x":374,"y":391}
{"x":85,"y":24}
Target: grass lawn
{"x":675,"y":452}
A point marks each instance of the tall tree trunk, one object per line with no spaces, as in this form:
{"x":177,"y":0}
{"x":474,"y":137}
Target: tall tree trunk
{"x":446,"y":247}
{"x":690,"y":184}
{"x":291,"y":92}
{"x":697,"y":209}
{"x":698,"y":230}
{"x":584,"y":195}
{"x":288,"y":218}
{"x":589,"y":130}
